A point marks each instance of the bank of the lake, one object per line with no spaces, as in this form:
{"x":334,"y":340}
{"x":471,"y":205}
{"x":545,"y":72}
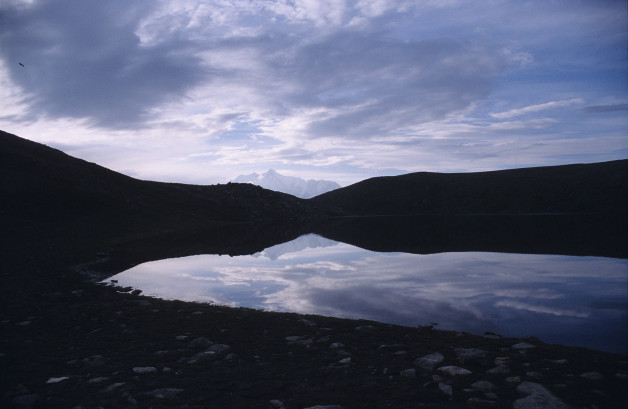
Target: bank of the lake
{"x":69,"y":343}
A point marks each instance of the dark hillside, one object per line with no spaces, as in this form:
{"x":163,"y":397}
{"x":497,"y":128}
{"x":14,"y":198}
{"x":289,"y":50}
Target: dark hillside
{"x":38,"y":183}
{"x":581,"y":188}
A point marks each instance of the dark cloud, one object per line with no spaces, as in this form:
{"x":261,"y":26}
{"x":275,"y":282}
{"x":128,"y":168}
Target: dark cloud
{"x":83,"y":60}
{"x":598,"y":109}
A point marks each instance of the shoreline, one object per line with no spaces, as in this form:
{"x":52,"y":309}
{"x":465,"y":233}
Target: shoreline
{"x":70,"y":343}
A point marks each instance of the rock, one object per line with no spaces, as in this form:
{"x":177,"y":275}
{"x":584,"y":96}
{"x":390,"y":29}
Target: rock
{"x":592,"y":376}
{"x":113,"y":387}
{"x":25,"y":401}
{"x":454,"y":370}
{"x":446,"y":389}
{"x":94,"y":360}
{"x":200,"y":342}
{"x":308,"y":322}
{"x":98,"y":379}
{"x":345,"y":361}
{"x":430,"y":361}
{"x":219,"y":349}
{"x":513,"y":380}
{"x":364,"y":328}
{"x":144,"y":369}
{"x":181,"y":337}
{"x":409,"y":373}
{"x":399,"y":353}
{"x":480,"y":403}
{"x":502,"y":360}
{"x":534,"y":375}
{"x":483,"y":386}
{"x":24,"y":323}
{"x":165,"y":393}
{"x":539,"y":398}
{"x":326,"y":407}
{"x":56,"y":380}
{"x":499,"y":369}
{"x":522,"y":346}
{"x":294,"y":338}
{"x":276,"y":404}
{"x":336,"y":345}
{"x":470,"y":354}
{"x":136,"y":292}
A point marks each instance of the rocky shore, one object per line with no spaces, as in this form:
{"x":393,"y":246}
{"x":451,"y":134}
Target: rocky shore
{"x":73,"y":344}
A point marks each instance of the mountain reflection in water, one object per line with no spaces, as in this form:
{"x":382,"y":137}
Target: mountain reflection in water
{"x":570,"y":300}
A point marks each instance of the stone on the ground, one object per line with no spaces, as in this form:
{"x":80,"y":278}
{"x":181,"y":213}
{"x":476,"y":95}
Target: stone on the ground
{"x":483,"y":386}
{"x":592,"y":376}
{"x":200,"y":342}
{"x":538,"y":398}
{"x":144,"y":369}
{"x":446,"y":389}
{"x":430,"y":361}
{"x":470,"y":354}
{"x":522,"y":346}
{"x":165,"y":393}
{"x":409,"y":373}
{"x":454,"y":370}
{"x":56,"y":380}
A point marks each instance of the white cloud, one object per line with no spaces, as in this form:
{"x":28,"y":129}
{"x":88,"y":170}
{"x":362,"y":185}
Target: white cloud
{"x":537,"y":107}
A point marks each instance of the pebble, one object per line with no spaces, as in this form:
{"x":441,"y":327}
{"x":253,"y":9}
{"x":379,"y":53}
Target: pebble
{"x":470,"y":354}
{"x":326,"y":407}
{"x":454,"y":370}
{"x":522,"y":346}
{"x":276,"y":404}
{"x":410,"y":373}
{"x":538,"y":398}
{"x":592,"y":376}
{"x":430,"y":361}
{"x":483,"y":386}
{"x":499,"y":369}
{"x":56,"y":380}
{"x":144,"y":369}
{"x":446,"y":389}
{"x":165,"y":393}
{"x":25,"y":401}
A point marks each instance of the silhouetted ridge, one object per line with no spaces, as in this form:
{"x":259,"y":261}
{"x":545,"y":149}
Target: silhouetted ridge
{"x":41,"y":183}
{"x":581,"y":188}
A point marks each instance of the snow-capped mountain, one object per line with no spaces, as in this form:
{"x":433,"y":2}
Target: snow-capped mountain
{"x":288,"y":184}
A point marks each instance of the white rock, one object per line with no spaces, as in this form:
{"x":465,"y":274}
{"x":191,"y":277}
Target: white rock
{"x":144,"y":369}
{"x":430,"y":361}
{"x":592,"y":376}
{"x":522,"y":346}
{"x":539,"y":398}
{"x":454,"y":370}
{"x":446,"y":389}
{"x":59,"y":379}
{"x":470,"y":354}
{"x":409,"y":373}
{"x":483,"y":386}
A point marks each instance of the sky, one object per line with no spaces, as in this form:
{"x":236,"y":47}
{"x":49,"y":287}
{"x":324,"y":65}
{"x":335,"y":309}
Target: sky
{"x":203,"y":91}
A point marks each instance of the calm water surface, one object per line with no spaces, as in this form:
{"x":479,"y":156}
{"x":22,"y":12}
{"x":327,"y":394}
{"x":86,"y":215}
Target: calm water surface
{"x":559,"y":299}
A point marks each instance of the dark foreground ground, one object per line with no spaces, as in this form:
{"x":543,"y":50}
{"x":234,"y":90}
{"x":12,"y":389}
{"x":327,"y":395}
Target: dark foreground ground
{"x":68,"y":343}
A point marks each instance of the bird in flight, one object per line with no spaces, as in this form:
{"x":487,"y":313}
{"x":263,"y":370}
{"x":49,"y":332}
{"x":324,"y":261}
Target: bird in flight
{"x":21,"y":64}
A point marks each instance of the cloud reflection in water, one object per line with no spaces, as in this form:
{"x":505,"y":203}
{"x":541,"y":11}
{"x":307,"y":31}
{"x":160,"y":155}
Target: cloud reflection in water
{"x":556,"y":298}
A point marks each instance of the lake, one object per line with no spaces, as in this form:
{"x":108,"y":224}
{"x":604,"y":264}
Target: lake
{"x":572,"y":300}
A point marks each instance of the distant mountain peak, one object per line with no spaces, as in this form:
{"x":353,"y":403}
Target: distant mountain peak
{"x":273,"y":180}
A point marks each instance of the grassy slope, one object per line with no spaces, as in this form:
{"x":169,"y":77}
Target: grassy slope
{"x":597,"y":188}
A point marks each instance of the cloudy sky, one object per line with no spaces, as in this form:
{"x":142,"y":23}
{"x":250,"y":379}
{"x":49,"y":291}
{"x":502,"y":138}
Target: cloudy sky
{"x":202,"y":91}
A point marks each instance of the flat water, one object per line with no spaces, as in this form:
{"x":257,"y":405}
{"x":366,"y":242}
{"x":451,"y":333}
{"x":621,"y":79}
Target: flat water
{"x":569,"y":300}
